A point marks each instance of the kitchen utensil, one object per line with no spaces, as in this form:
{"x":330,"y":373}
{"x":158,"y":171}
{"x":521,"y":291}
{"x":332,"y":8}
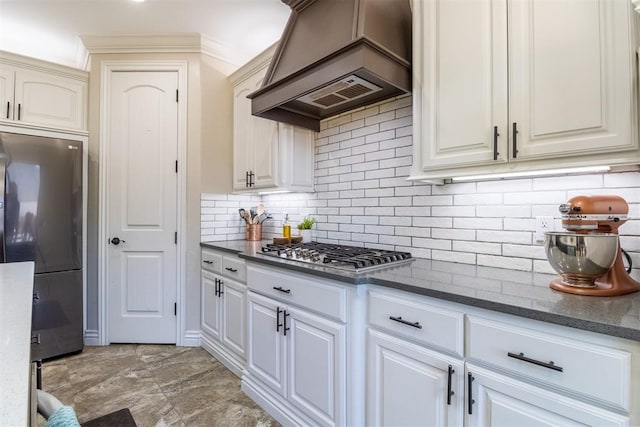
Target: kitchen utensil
{"x":262,"y":217}
{"x":580,"y":253}
{"x":241,"y":212}
{"x":254,"y":211}
{"x":581,"y":258}
{"x":247,"y":217}
{"x":260,"y":209}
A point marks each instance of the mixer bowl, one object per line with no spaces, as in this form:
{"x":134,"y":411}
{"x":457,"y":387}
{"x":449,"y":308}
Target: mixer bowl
{"x":581,"y":258}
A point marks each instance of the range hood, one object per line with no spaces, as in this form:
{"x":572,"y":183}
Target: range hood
{"x":334,"y":56}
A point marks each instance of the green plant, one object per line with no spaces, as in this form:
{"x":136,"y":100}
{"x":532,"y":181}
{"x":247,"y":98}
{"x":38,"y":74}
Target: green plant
{"x":307,"y":223}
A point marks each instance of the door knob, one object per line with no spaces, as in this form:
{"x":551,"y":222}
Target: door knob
{"x":116,"y":241}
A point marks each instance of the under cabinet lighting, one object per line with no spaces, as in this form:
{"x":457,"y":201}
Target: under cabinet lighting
{"x":547,"y":172}
{"x":274,"y":192}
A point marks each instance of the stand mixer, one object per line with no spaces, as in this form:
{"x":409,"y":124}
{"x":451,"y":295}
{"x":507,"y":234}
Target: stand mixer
{"x":588,"y":255}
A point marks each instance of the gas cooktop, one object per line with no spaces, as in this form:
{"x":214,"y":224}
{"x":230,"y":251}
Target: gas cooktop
{"x":339,"y":257}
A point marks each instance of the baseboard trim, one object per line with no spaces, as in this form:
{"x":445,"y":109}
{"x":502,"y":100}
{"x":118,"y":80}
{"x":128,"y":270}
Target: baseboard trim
{"x":191,"y":339}
{"x":273,"y":404}
{"x":91,"y":337}
{"x":231,"y":362}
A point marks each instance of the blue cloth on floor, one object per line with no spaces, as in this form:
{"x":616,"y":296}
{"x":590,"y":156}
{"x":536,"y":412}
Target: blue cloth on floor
{"x":63,"y":417}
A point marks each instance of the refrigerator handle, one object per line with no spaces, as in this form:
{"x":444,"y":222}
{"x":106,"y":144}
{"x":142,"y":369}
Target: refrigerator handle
{"x":3,"y":176}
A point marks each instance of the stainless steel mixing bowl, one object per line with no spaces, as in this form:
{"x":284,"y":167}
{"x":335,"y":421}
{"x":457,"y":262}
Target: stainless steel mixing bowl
{"x":581,"y":258}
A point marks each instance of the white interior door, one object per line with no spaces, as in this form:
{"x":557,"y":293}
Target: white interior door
{"x":142,"y":207}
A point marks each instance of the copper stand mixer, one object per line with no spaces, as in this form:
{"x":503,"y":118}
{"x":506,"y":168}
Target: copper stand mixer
{"x":592,"y":224}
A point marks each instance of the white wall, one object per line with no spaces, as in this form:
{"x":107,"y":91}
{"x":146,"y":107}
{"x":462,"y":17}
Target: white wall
{"x":362,"y":198}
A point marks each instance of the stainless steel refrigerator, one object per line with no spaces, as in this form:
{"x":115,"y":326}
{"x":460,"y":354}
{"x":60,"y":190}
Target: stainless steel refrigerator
{"x":41,"y":221}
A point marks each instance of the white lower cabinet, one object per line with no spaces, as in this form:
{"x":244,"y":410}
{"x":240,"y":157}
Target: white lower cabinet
{"x":324,"y":353}
{"x":497,"y":400}
{"x":409,"y":385}
{"x":512,"y":372}
{"x":296,"y":357}
{"x":224,"y":310}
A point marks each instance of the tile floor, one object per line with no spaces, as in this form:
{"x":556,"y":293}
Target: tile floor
{"x":161,"y":385}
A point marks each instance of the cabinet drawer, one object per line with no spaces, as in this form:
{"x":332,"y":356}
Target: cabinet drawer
{"x":211,"y":261}
{"x":234,"y":267}
{"x":323,"y":298}
{"x":417,"y":320}
{"x":593,"y":371}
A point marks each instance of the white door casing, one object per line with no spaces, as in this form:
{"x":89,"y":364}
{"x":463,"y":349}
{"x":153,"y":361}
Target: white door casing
{"x":142,"y":202}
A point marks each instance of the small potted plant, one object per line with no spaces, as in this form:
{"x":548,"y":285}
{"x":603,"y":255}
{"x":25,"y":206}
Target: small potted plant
{"x":304,"y":228}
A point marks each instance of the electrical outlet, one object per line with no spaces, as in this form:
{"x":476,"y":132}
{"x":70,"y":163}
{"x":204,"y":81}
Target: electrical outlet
{"x":543,"y":225}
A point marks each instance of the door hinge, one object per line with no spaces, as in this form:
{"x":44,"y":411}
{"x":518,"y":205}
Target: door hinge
{"x":176,"y":95}
{"x":175,"y":237}
{"x":176,"y":166}
{"x":175,"y":308}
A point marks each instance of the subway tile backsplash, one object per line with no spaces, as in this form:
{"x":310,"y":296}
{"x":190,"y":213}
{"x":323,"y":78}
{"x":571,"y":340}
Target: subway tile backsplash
{"x":362,"y":198}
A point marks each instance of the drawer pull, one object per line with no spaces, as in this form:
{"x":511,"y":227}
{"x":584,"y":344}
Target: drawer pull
{"x":406,"y":322}
{"x":281,"y":289}
{"x":470,"y":403}
{"x":233,"y":270}
{"x":206,"y":261}
{"x":449,"y":391}
{"x":549,"y":365}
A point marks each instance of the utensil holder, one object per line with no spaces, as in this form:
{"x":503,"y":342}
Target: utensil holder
{"x":254,"y":232}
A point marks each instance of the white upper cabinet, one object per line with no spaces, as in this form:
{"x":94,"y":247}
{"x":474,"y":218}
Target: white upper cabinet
{"x":514,"y":85}
{"x":42,"y":94}
{"x":267,"y":155}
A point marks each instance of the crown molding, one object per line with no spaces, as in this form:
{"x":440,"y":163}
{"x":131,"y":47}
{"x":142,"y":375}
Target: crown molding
{"x":157,"y":43}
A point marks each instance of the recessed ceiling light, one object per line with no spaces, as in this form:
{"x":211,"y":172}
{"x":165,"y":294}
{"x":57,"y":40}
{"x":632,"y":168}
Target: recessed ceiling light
{"x":138,"y":1}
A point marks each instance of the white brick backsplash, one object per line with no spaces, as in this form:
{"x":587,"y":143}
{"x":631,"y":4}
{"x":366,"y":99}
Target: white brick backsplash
{"x":574,"y":182}
{"x":395,"y":240}
{"x":504,"y":262}
{"x":426,"y":221}
{"x":453,"y":211}
{"x":505,"y":186}
{"x":453,"y":234}
{"x":396,"y":220}
{"x":522,"y":211}
{"x":478,"y":223}
{"x":431,"y":243}
{"x":432,"y":200}
{"x":478,"y":247}
{"x":412,"y":231}
{"x":504,"y":236}
{"x":451,"y":256}
{"x":524,"y":251}
{"x":362,"y":197}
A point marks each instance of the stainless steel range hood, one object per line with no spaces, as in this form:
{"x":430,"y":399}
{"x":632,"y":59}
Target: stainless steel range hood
{"x":334,"y":56}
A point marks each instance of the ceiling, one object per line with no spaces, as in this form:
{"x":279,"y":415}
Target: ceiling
{"x":50,"y":29}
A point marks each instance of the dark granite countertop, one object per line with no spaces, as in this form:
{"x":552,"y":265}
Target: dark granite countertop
{"x":520,"y":293}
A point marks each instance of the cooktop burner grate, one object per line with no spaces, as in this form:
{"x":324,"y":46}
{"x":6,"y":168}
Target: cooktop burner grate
{"x":342,"y":257}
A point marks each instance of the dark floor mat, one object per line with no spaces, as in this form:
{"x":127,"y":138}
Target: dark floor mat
{"x":121,"y":418}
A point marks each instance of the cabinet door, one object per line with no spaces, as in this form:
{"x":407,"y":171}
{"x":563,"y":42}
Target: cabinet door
{"x":503,"y":401}
{"x":7,"y":79}
{"x":266,"y":358}
{"x":50,"y":100}
{"x":241,"y":135}
{"x":254,"y":139}
{"x":317,"y":362}
{"x":408,"y":384}
{"x":296,"y":157}
{"x":211,"y":305}
{"x":570,"y":77}
{"x":234,"y":316}
{"x":460,"y":82}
